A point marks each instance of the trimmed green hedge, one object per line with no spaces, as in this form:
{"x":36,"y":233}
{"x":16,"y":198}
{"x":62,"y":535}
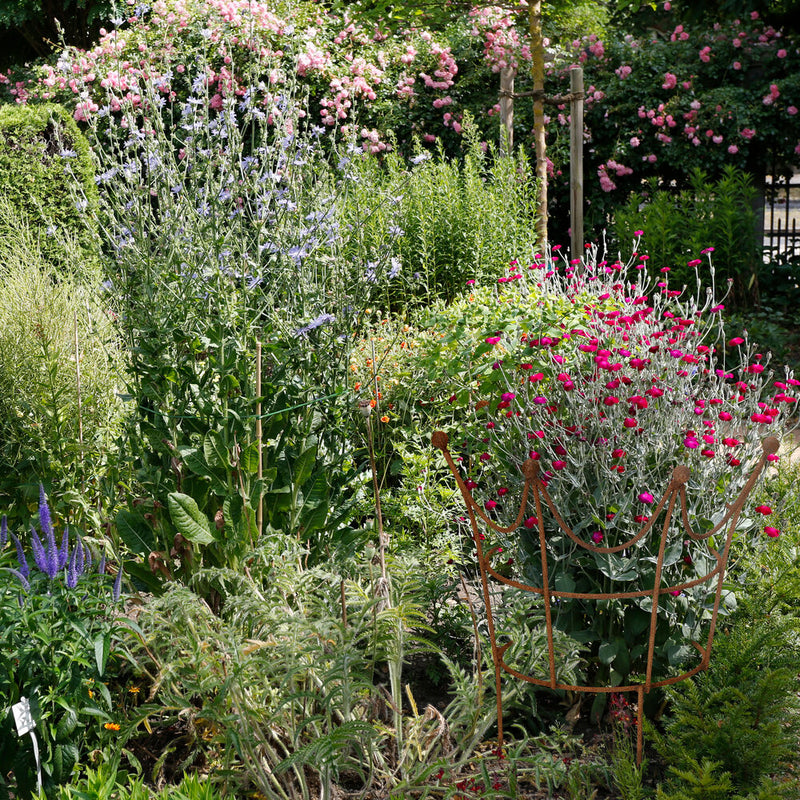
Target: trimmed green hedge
{"x":46,"y":174}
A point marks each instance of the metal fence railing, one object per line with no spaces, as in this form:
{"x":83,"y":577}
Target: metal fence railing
{"x":782,"y":216}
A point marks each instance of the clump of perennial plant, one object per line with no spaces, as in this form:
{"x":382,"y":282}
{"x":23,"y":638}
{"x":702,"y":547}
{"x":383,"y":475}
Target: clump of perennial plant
{"x":58,"y":628}
{"x":636,"y":382}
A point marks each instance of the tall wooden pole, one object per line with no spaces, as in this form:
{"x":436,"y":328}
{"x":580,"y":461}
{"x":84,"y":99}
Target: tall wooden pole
{"x":576,"y":161}
{"x":507,"y":111}
{"x":537,"y":70}
{"x":259,"y":439}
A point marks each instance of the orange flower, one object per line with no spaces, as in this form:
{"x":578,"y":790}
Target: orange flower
{"x":358,"y":385}
{"x":384,"y":418}
{"x":111,"y":726}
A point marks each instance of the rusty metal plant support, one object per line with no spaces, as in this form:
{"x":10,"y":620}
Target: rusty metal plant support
{"x":674,"y":492}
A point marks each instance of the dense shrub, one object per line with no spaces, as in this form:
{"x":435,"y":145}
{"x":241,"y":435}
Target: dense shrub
{"x":714,"y":215}
{"x":37,"y":143}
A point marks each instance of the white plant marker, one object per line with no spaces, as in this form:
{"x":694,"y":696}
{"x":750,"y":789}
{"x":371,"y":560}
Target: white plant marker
{"x":26,"y":724}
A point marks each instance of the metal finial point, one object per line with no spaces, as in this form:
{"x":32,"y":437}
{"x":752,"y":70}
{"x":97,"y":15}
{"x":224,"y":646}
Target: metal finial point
{"x":439,"y":439}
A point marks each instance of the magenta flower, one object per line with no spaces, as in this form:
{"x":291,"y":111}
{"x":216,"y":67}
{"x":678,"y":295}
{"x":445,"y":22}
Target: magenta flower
{"x":597,"y":537}
{"x":646,"y":497}
{"x":773,"y":533}
{"x":531,"y":522}
{"x":490,"y":504}
{"x":765,"y":510}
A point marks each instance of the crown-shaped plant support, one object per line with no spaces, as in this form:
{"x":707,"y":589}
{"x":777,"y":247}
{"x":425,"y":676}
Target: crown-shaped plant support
{"x":535,"y":491}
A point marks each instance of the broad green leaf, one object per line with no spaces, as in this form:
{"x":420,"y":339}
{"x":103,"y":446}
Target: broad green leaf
{"x":135,"y":532}
{"x":102,"y":645}
{"x":608,"y":651}
{"x":305,"y":463}
{"x":190,"y":522}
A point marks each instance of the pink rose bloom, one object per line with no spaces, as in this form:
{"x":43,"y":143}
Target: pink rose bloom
{"x":781,"y":53}
{"x":670,"y":81}
{"x":737,"y":64}
{"x":791,"y":110}
{"x":747,"y":133}
{"x":733,"y":149}
{"x":705,"y":54}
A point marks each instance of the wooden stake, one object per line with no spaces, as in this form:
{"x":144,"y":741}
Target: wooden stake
{"x":260,"y":511}
{"x":576,"y":161}
{"x":537,"y":71}
{"x":78,"y":380}
{"x":507,"y":111}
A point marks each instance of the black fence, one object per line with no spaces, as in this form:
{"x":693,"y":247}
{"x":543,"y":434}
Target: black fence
{"x":782,"y":217}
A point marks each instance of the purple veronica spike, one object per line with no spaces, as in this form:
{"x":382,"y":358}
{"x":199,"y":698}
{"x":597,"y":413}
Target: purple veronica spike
{"x":39,"y":555}
{"x":3,"y":531}
{"x":74,"y":569}
{"x":63,"y":552}
{"x":117,"y":589}
{"x":45,"y":522}
{"x":22,"y":579}
{"x":79,"y":558}
{"x":101,"y":567}
{"x":24,"y":569}
{"x":44,"y":513}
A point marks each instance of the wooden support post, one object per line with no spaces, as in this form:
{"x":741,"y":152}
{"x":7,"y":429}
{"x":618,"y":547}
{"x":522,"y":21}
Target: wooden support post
{"x":537,"y":70}
{"x":507,"y":111}
{"x":576,"y":161}
{"x":259,"y":436}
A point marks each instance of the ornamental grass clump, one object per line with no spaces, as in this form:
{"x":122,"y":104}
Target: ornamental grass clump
{"x":608,"y":403}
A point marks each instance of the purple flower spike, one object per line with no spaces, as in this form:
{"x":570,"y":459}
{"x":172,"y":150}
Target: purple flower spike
{"x":79,"y":558}
{"x":22,"y":579}
{"x":45,"y":522}
{"x":24,"y":569}
{"x":54,"y":565}
{"x":72,"y":569}
{"x":39,"y":555}
{"x":117,"y":589}
{"x":101,"y":567}
{"x":3,"y":531}
{"x":63,"y":552}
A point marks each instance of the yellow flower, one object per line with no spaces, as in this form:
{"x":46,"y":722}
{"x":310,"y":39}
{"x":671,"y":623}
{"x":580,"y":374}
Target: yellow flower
{"x":111,"y":726}
{"x":134,"y":690}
